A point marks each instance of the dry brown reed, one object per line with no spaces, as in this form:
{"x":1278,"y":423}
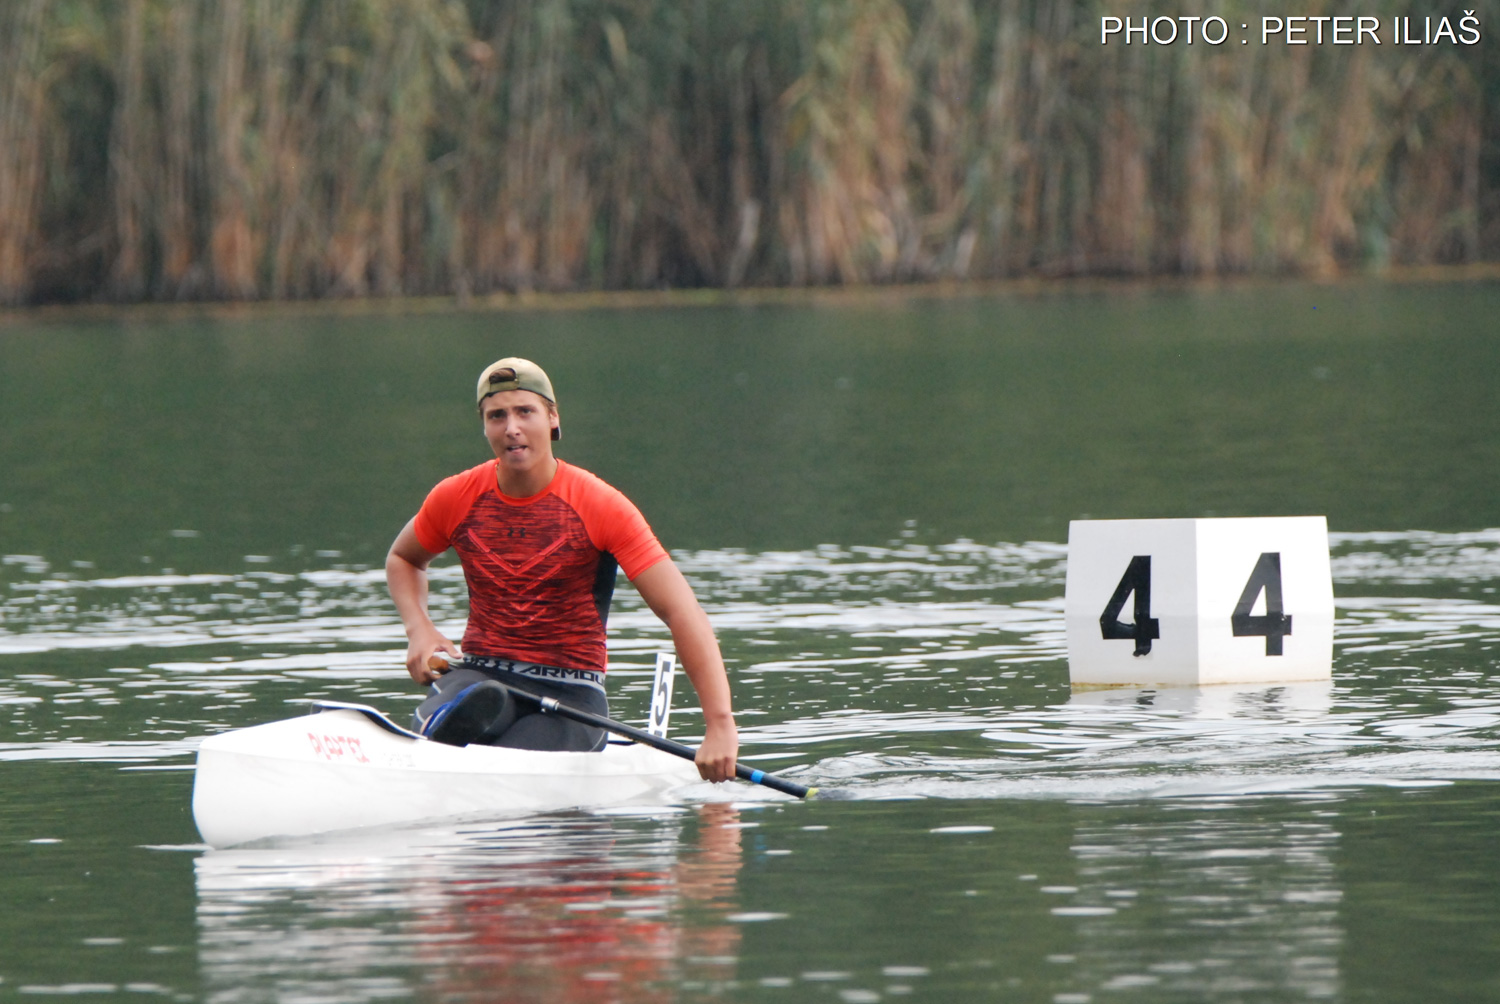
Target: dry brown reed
{"x":169,"y":149}
{"x":21,"y":112}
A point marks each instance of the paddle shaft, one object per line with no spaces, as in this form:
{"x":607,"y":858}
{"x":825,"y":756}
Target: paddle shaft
{"x":552,"y":706}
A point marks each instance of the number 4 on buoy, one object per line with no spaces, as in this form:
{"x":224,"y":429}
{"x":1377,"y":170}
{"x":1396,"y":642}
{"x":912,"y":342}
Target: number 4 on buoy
{"x":1186,"y":602}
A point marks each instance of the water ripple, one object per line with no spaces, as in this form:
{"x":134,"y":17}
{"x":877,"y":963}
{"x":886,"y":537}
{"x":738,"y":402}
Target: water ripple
{"x":903,"y":671}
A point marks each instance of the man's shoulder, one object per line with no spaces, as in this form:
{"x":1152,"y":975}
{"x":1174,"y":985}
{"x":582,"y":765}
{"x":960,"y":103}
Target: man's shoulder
{"x":574,"y":482}
{"x":448,"y":503}
{"x":480,"y":473}
{"x":467,"y":484}
{"x":590,"y":494}
{"x":613,"y":522}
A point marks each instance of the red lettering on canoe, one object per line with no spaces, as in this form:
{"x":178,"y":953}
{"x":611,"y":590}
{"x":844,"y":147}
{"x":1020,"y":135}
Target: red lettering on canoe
{"x":331,"y":747}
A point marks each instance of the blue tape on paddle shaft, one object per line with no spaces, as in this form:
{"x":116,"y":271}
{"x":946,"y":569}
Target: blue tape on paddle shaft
{"x":756,"y":775}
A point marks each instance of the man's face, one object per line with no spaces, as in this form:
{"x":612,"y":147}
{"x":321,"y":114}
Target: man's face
{"x":519,"y":424}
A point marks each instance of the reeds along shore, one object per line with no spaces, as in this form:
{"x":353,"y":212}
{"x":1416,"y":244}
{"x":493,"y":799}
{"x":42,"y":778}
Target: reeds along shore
{"x":246,"y":149}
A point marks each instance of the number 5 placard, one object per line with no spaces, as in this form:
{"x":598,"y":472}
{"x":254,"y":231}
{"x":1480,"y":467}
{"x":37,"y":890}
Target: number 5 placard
{"x":1184,"y":602}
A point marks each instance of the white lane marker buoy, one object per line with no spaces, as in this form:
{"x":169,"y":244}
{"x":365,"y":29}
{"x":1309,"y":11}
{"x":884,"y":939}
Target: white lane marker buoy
{"x":1187,"y":602}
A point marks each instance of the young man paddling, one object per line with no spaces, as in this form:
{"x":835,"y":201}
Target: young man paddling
{"x":539,"y":540}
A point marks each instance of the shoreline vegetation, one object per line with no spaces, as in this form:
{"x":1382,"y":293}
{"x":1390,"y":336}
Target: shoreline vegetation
{"x":477,"y":154}
{"x":849,"y":295}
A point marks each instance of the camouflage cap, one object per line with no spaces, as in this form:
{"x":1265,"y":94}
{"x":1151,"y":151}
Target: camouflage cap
{"x":514,"y":373}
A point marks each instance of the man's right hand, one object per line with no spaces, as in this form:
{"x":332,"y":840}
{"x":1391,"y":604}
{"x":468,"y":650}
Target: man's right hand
{"x":406,"y":578}
{"x":421,"y":648}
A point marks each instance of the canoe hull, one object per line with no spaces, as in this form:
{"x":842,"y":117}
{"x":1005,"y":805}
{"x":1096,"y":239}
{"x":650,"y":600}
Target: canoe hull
{"x":339,"y":770}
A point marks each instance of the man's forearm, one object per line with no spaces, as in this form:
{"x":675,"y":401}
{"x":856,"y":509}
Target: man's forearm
{"x":698,"y":651}
{"x":408,"y":588}
{"x":671,"y":598}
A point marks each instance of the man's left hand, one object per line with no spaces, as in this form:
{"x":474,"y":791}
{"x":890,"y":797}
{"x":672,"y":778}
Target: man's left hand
{"x":716,"y":757}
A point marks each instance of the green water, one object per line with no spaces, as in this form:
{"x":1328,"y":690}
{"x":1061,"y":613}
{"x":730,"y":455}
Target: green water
{"x":872,"y":502}
{"x":767,"y":427}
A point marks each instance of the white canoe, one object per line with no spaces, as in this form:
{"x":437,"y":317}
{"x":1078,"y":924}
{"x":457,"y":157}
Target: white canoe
{"x":348,"y":767}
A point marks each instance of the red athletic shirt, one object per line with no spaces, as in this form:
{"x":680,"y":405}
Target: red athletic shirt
{"x":541,"y":570}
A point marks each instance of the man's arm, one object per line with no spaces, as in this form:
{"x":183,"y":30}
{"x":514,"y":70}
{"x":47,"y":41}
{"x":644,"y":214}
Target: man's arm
{"x":670,"y":597}
{"x":406,"y":578}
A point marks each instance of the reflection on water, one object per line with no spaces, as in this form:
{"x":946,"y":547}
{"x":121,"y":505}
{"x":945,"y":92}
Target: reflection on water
{"x":1231,"y":702}
{"x":609,"y":909}
{"x":567,"y":909}
{"x":1196,"y":899}
{"x":1220,"y":907}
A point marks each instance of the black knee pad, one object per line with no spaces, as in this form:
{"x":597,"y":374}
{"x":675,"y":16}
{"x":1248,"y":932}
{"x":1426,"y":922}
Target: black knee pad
{"x":477,"y":714}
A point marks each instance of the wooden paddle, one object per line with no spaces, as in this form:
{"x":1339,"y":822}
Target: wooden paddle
{"x":441,"y":663}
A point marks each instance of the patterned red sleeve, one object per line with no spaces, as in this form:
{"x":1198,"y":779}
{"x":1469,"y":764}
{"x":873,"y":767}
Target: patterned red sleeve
{"x":614,"y":523}
{"x":446,"y":506}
